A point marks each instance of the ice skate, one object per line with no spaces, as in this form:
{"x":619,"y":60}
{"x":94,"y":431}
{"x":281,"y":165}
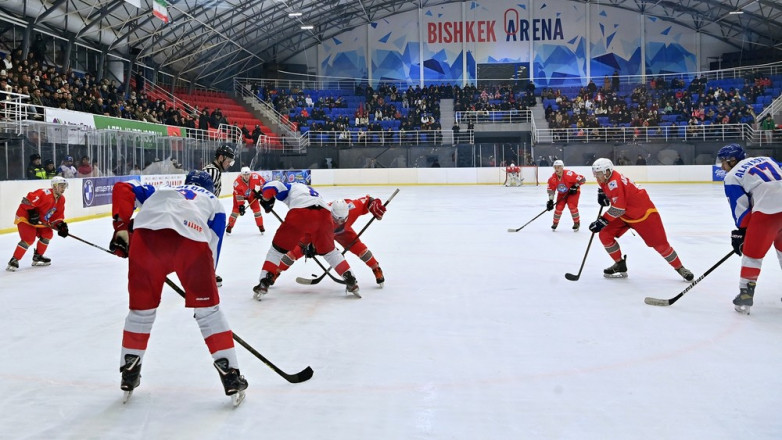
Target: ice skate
{"x":219,"y":280}
{"x":685,"y":273}
{"x":261,"y":229}
{"x":228,"y":229}
{"x":40,"y":260}
{"x":351,"y":286}
{"x":576,"y":225}
{"x":233,"y":382}
{"x":13,"y":265}
{"x":262,"y":288}
{"x":131,"y":375}
{"x":743,"y":301}
{"x":554,"y":226}
{"x":618,"y":270}
{"x":378,"y":276}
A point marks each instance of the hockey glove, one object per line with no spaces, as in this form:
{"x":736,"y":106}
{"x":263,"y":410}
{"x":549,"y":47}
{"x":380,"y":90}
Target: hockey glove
{"x":573,"y":189}
{"x":62,"y":229}
{"x":242,"y":209}
{"x":737,"y":240}
{"x":602,"y":198}
{"x":267,"y":204}
{"x":309,"y":250}
{"x":119,"y":245}
{"x":549,"y":205}
{"x":120,"y":225}
{"x":598,"y":224}
{"x":33,"y":217}
{"x":377,"y":209}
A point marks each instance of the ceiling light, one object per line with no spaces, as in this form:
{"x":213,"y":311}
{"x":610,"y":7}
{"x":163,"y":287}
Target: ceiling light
{"x":294,"y":14}
{"x":737,"y":12}
{"x":307,"y":27}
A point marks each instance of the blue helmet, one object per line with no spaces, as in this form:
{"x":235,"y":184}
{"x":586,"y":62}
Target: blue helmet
{"x":732,"y":151}
{"x":200,"y":178}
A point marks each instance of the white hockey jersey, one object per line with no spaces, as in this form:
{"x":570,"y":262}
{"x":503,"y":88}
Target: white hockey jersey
{"x":754,"y":185}
{"x":193,"y":212}
{"x":295,"y":195}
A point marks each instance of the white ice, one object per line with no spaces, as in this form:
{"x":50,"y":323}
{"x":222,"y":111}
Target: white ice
{"x":476,"y":335}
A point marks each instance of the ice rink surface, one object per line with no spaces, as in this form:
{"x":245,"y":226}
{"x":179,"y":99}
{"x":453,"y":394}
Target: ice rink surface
{"x":476,"y":335}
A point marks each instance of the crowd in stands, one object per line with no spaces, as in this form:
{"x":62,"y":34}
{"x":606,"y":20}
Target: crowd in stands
{"x":388,"y":110}
{"x":660,"y":103}
{"x":49,"y":86}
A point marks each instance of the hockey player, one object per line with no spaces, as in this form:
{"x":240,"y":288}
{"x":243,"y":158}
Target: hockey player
{"x":308,"y":220}
{"x":630,"y":208}
{"x":753,"y":186}
{"x":565,"y":186}
{"x":178,"y":229}
{"x":224,"y":159}
{"x":40,"y":212}
{"x":513,"y":175}
{"x":344,"y":213}
{"x":245,"y":186}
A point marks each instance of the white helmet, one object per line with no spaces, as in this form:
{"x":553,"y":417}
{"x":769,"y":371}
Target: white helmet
{"x":339,"y":210}
{"x":58,"y":180}
{"x":603,"y":165}
{"x":245,"y":172}
{"x":558,"y":163}
{"x":512,"y":164}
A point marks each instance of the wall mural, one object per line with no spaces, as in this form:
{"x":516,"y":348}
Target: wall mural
{"x":558,"y":39}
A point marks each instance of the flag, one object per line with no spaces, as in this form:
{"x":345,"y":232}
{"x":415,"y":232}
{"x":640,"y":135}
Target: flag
{"x":160,"y":9}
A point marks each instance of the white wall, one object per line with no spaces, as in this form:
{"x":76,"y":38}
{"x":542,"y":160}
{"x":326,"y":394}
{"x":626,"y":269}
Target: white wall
{"x":11,"y":192}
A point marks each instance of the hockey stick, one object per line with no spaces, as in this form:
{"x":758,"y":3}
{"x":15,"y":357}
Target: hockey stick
{"x":336,"y":280}
{"x":301,"y":376}
{"x":667,"y":302}
{"x":572,"y":277}
{"x":564,"y":200}
{"x":525,"y":224}
{"x":313,"y":281}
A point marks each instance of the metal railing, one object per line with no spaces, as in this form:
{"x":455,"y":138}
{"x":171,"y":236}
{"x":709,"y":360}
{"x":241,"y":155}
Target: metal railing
{"x":712,"y":132}
{"x":495,"y":117}
{"x":389,"y":138}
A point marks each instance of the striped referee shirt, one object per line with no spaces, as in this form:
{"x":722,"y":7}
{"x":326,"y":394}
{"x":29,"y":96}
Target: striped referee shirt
{"x":216,"y":174}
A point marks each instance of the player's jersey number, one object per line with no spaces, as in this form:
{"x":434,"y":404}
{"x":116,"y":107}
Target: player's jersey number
{"x":768,"y":175}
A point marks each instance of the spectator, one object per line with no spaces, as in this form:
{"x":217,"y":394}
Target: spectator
{"x":678,"y":160}
{"x":640,"y":160}
{"x":436,"y":163}
{"x":67,"y":169}
{"x":95,"y":170}
{"x":767,"y":125}
{"x":35,"y":170}
{"x":48,"y":166}
{"x":85,"y":169}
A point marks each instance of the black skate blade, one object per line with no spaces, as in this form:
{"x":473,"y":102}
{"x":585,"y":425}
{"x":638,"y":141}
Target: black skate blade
{"x":572,"y":277}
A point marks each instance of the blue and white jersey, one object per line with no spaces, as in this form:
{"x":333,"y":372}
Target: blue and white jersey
{"x":192,"y":211}
{"x":295,"y":195}
{"x":754,"y":185}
